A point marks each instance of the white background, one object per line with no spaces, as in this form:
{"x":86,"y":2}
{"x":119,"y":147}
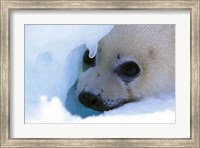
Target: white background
{"x":180,"y":129}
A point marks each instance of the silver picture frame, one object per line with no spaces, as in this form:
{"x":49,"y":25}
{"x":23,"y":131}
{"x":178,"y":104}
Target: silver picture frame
{"x":7,"y":6}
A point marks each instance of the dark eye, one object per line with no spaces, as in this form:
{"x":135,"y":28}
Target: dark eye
{"x":87,"y":60}
{"x":127,"y":71}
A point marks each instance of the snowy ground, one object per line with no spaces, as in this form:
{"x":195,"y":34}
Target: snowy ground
{"x":150,"y":110}
{"x":52,"y":58}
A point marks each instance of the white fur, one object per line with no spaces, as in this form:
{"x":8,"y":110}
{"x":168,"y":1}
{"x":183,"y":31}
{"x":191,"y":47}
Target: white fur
{"x":152,"y":47}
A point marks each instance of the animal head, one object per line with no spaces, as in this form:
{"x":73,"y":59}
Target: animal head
{"x":132,"y":62}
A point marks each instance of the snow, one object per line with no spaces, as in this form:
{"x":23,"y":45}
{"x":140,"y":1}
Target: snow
{"x":52,"y":59}
{"x":150,"y":110}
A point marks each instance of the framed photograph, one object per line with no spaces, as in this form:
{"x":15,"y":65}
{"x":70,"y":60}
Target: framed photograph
{"x":100,"y":73}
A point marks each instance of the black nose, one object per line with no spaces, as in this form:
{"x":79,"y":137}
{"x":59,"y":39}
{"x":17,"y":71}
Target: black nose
{"x":90,"y":100}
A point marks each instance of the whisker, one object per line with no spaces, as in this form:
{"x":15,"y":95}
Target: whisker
{"x":128,"y":99}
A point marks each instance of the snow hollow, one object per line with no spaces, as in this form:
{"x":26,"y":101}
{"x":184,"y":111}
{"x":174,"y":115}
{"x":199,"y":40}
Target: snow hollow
{"x":53,"y":54}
